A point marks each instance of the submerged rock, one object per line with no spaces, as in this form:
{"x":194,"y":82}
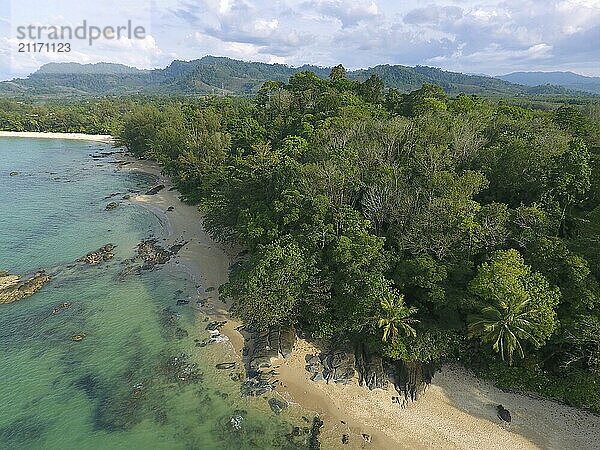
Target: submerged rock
{"x":315,"y":431}
{"x":13,"y":287}
{"x":179,"y":369}
{"x":255,"y":387}
{"x":237,"y":419}
{"x":98,"y":256}
{"x":277,"y":406}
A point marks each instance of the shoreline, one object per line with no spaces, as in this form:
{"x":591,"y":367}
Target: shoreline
{"x":457,"y":411}
{"x":104,"y":138}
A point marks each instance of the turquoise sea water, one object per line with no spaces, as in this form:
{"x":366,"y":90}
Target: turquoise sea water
{"x":116,"y":388}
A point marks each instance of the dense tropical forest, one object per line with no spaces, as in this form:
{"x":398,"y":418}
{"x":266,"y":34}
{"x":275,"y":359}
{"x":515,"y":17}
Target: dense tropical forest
{"x":431,"y":228}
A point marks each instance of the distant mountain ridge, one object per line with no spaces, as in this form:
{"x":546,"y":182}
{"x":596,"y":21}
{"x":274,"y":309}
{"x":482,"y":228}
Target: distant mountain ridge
{"x":568,"y":80}
{"x":212,"y":74}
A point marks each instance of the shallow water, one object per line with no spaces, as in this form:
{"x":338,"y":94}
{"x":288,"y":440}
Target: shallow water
{"x":116,"y":388}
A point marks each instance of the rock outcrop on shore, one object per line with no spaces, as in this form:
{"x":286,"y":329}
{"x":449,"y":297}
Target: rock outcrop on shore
{"x":410,"y":379}
{"x":269,"y":344}
{"x":14,"y":287}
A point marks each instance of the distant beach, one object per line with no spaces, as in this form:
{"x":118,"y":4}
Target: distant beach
{"x":104,"y":138}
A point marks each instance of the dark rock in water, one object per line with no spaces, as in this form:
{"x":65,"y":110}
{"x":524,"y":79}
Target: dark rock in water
{"x":277,"y":406}
{"x":174,"y":249}
{"x":13,"y":287}
{"x":181,"y":333}
{"x":126,"y":197}
{"x":315,"y":431}
{"x":171,"y":208}
{"x":60,"y":307}
{"x":149,"y":254}
{"x":112,"y":195}
{"x":255,"y":387}
{"x":98,"y":256}
{"x":152,"y":253}
{"x":237,"y":420}
{"x":345,"y":438}
{"x":215,"y":325}
{"x":181,"y":370}
{"x":503,"y":414}
{"x":226,"y":365}
{"x":155,"y":190}
{"x":14,"y":174}
{"x":111,"y":206}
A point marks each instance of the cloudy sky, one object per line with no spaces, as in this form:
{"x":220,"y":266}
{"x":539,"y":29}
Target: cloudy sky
{"x":472,"y":36}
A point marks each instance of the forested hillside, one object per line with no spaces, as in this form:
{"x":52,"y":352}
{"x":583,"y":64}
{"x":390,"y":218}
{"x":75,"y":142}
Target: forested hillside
{"x":568,"y":80}
{"x":427,"y":227}
{"x":216,"y":75}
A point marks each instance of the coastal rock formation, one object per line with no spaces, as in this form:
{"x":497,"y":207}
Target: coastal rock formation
{"x":255,"y":387}
{"x":98,"y":256}
{"x":13,"y":287}
{"x":269,"y":344}
{"x":411,"y":379}
{"x":155,"y":190}
{"x":370,"y":369}
{"x":153,"y":254}
{"x":149,"y":255}
{"x":338,"y":366}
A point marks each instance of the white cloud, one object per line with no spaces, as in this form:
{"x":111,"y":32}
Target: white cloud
{"x":492,"y":36}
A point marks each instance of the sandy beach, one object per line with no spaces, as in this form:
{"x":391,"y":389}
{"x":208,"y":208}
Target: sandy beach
{"x":457,"y":411}
{"x":105,"y":138}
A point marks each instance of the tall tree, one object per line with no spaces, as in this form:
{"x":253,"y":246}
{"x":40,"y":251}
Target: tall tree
{"x":517,"y":305}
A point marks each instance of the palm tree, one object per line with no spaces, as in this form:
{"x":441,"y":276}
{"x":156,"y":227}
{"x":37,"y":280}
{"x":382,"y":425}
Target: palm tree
{"x":396,"y":316}
{"x":504,"y":325}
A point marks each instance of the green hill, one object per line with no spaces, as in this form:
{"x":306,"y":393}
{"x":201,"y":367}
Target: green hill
{"x":219,"y":75}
